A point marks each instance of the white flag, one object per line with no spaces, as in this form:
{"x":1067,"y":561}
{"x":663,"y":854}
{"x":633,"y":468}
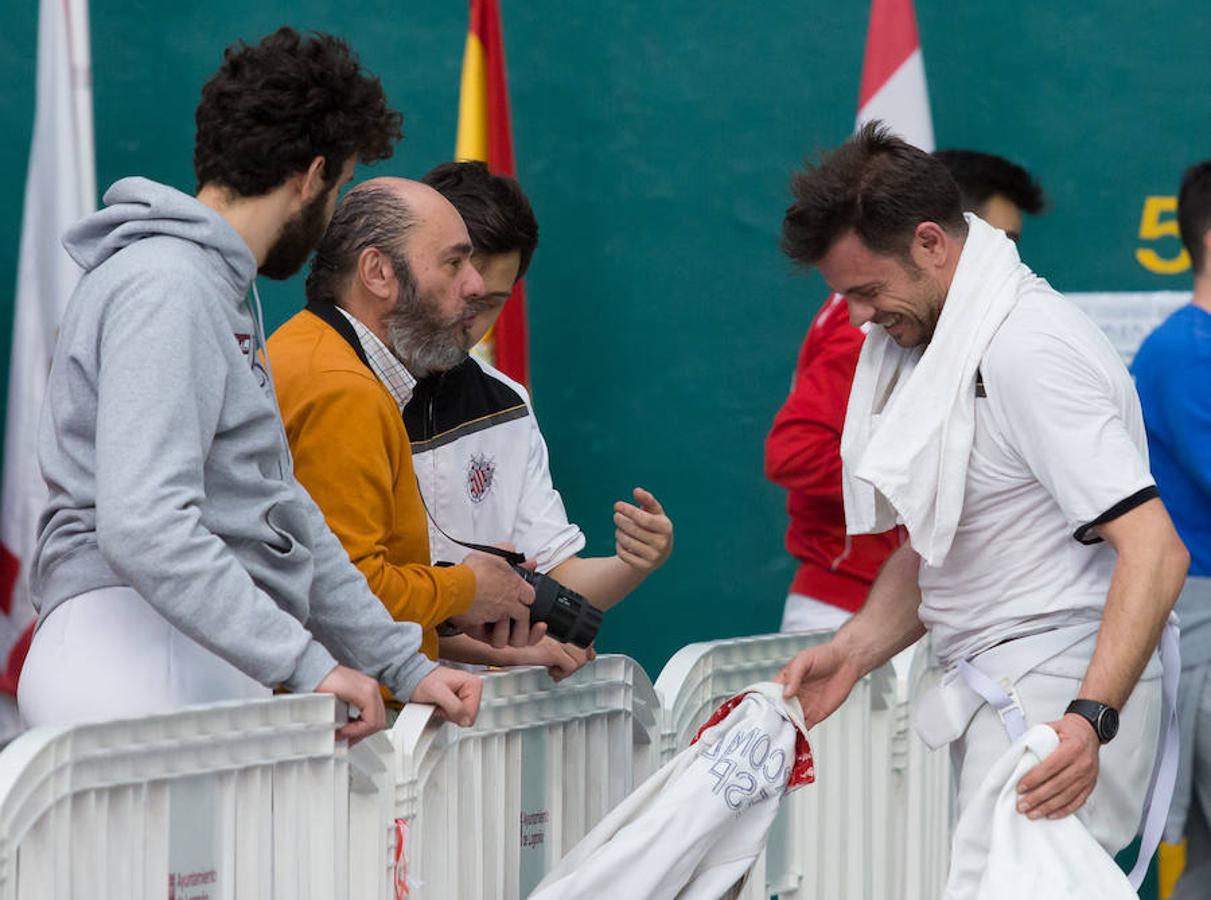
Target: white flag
{"x":60,"y":190}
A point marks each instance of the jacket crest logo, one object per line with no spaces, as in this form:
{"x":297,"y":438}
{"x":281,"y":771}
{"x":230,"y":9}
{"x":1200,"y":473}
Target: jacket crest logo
{"x":481,"y":474}
{"x":244,"y":342}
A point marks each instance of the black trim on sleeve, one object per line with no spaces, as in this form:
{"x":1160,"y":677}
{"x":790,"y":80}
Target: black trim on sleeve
{"x":1139,"y":498}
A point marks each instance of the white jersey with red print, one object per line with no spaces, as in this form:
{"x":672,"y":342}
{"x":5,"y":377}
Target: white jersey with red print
{"x":482,"y":466}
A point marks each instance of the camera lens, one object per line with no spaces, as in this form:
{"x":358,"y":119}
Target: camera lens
{"x":570,"y":618}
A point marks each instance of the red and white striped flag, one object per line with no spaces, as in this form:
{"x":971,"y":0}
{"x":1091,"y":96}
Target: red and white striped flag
{"x":60,"y":189}
{"x":894,"y":90}
{"x":893,"y":74}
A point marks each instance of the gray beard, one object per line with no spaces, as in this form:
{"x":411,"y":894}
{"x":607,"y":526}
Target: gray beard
{"x":422,"y":340}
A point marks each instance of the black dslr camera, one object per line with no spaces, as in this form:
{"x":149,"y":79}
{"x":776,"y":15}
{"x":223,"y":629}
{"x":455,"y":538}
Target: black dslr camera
{"x":570,"y":618}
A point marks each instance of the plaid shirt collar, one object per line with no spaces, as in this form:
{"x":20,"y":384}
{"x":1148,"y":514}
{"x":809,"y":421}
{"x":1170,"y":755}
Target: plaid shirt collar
{"x":386,"y":366}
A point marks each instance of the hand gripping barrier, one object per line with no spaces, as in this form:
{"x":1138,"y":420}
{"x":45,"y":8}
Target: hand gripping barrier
{"x":257,"y":800}
{"x":490,"y":809}
{"x":241,"y":800}
{"x":833,"y":838}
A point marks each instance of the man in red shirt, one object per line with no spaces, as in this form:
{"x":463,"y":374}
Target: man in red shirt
{"x":803,"y":449}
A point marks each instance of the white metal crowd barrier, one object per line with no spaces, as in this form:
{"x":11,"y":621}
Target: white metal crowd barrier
{"x":923,"y":796}
{"x":241,"y":800}
{"x":257,"y":800}
{"x":491,"y":809}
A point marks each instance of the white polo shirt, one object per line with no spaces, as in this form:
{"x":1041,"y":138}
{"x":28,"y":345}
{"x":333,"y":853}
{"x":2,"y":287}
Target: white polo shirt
{"x":1059,"y":447}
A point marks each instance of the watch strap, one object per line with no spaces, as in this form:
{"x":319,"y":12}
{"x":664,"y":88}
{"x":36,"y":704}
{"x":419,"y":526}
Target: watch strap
{"x":1092,"y":712}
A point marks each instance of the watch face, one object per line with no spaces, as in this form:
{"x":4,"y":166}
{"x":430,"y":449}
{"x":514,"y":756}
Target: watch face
{"x":1107,"y":724}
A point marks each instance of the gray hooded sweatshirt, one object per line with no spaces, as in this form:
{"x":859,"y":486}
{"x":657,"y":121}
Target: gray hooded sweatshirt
{"x":168,"y":469}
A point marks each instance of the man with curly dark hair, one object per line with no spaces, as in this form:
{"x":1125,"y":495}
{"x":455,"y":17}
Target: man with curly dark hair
{"x":179,"y":561}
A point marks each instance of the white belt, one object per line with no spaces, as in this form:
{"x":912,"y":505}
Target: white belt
{"x":941,"y":715}
{"x":1003,"y":699}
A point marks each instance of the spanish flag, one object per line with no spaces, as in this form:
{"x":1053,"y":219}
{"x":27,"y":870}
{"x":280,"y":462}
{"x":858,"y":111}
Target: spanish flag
{"x":485,"y":134}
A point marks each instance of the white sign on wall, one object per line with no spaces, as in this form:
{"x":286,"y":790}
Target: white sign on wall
{"x":1128,"y":317}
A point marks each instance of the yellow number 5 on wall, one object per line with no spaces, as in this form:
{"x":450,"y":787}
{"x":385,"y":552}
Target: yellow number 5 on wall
{"x":1153,"y":228}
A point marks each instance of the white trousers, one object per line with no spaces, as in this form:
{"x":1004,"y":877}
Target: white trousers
{"x":803,"y":613}
{"x":1114,"y":810}
{"x":107,"y":654}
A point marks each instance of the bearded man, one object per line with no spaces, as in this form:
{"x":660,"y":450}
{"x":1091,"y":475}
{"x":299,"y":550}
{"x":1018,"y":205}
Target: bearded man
{"x":389,"y":290}
{"x":179,"y":561}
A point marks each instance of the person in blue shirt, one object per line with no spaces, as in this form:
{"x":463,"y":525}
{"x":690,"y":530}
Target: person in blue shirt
{"x":1173,"y":376}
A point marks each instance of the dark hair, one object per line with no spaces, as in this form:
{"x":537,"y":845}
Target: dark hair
{"x":1194,"y":212}
{"x":494,"y":207}
{"x":271,"y":109}
{"x":370,"y":215}
{"x":878,"y":186}
{"x":982,"y":175}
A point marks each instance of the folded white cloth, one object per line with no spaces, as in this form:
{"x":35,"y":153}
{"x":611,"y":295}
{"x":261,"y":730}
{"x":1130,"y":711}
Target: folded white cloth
{"x":694,"y":829}
{"x":999,"y":854}
{"x":910,"y":421}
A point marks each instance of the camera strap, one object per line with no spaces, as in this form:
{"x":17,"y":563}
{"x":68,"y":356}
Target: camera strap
{"x":512,"y":557}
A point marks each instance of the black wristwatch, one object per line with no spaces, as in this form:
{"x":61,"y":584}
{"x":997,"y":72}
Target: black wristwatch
{"x":1103,"y":718}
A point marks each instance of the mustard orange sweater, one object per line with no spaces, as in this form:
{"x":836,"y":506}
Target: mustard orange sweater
{"x":353,"y":456}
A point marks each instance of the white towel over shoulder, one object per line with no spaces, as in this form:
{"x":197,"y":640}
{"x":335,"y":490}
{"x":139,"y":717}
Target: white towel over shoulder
{"x":910,"y":421}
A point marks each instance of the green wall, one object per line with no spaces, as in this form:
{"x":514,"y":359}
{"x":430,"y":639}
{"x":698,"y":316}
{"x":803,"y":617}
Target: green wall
{"x":656,"y":140}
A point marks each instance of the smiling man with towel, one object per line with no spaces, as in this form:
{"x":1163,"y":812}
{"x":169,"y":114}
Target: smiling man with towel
{"x":994,"y":421}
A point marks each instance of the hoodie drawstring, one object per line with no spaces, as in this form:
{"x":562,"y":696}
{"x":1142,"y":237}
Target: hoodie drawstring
{"x":261,"y":348}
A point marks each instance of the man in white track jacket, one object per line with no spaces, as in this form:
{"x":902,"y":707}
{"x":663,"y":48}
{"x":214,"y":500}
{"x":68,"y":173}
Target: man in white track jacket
{"x":480,"y":457}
